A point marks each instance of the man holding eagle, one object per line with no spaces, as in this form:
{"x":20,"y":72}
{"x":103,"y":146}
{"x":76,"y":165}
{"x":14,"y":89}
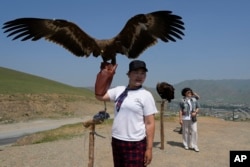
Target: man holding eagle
{"x":139,"y":33}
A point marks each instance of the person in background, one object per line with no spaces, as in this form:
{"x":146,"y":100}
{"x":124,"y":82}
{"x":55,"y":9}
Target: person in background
{"x":195,"y":95}
{"x":189,"y":107}
{"x":134,"y":125}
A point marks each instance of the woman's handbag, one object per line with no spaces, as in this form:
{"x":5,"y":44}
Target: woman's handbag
{"x":194,"y":118}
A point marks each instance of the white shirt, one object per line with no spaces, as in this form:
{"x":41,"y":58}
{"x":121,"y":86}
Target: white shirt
{"x":129,"y":122}
{"x":188,"y":117}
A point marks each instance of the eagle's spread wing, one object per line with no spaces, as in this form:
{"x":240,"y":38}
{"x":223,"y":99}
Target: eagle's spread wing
{"x":139,"y":33}
{"x":142,"y":31}
{"x":62,"y":32}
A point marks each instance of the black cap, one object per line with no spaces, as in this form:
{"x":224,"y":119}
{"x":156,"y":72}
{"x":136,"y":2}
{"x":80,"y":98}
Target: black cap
{"x":136,"y":64}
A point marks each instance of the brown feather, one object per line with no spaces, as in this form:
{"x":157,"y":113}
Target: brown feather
{"x":165,"y":90}
{"x":139,"y":33}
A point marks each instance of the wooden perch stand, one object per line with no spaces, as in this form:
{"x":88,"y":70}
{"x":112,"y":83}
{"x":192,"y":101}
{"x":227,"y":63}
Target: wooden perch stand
{"x":162,"y":123}
{"x":91,"y":124}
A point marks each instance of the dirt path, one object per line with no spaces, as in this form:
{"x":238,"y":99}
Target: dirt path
{"x":216,"y":139}
{"x":22,"y":128}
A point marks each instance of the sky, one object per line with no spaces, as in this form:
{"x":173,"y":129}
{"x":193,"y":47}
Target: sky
{"x":215,"y":45}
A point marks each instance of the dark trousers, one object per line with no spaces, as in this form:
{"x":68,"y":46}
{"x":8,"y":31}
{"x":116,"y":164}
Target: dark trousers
{"x":127,"y":153}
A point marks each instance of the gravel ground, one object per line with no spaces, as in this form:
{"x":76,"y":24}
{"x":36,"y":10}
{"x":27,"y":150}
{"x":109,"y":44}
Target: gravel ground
{"x":216,"y":139}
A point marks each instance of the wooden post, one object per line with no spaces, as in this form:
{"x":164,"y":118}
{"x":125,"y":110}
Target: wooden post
{"x":91,"y":125}
{"x":91,"y":145}
{"x":162,"y":124}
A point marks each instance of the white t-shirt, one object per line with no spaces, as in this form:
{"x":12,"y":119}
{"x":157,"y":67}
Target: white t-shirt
{"x":188,"y":116}
{"x":187,"y":106}
{"x":129,"y":122}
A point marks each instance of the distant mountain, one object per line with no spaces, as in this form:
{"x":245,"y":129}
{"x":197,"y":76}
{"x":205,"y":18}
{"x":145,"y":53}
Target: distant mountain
{"x":226,"y":92}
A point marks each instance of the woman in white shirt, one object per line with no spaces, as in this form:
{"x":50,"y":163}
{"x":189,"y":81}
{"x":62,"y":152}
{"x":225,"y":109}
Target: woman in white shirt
{"x":189,"y":107}
{"x":134,"y":126}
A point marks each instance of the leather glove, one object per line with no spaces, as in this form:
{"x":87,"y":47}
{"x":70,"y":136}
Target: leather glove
{"x":104,"y":78}
{"x":165,"y":90}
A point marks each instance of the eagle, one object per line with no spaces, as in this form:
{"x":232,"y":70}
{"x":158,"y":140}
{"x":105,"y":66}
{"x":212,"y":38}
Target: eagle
{"x":139,"y":33}
{"x":165,"y":90}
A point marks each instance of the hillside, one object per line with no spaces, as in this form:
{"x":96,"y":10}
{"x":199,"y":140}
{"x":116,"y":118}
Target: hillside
{"x":12,"y":82}
{"x":211,"y":91}
{"x":24,"y":97}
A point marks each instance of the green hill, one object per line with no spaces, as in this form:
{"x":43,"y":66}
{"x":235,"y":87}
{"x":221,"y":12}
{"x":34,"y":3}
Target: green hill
{"x":12,"y":82}
{"x":25,"y":97}
{"x":231,"y":91}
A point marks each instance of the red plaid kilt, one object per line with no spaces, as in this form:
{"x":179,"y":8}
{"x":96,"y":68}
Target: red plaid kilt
{"x":127,"y":153}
